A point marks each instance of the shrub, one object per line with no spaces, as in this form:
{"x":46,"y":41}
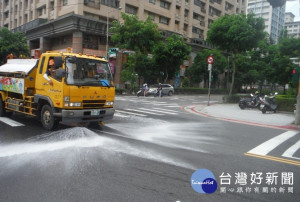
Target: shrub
{"x":285,"y":103}
{"x":232,"y":99}
{"x":185,"y":82}
{"x":120,"y":91}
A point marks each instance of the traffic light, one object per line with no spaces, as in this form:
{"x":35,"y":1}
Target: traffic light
{"x":295,"y":72}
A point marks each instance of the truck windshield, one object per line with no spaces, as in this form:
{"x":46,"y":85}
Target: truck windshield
{"x":88,"y":72}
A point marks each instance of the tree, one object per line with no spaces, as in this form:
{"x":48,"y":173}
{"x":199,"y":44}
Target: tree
{"x":290,"y":47}
{"x":12,"y":43}
{"x":199,"y":70}
{"x":128,"y":74}
{"x":134,"y":34}
{"x":236,"y":34}
{"x":170,"y":55}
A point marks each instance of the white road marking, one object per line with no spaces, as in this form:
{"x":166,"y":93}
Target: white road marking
{"x":118,"y":114}
{"x":292,"y":150}
{"x":161,"y":111}
{"x":172,"y":106}
{"x":10,"y":122}
{"x":145,"y":112}
{"x":266,"y":147}
{"x":120,"y":111}
{"x":168,"y":110}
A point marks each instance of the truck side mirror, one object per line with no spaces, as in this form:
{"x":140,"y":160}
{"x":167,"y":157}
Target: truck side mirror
{"x":58,"y":62}
{"x":60,"y":73}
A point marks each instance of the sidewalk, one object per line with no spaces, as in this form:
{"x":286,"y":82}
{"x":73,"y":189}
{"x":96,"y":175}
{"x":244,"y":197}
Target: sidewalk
{"x":232,"y":112}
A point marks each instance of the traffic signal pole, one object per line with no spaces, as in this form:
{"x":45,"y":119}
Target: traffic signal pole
{"x":297,"y":116}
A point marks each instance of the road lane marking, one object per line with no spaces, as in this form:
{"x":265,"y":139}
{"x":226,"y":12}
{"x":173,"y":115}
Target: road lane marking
{"x":266,"y":147}
{"x":10,"y":122}
{"x":120,"y":111}
{"x":153,"y":110}
{"x":168,"y":110}
{"x":135,"y":110}
{"x":292,"y":150}
{"x":272,"y":158}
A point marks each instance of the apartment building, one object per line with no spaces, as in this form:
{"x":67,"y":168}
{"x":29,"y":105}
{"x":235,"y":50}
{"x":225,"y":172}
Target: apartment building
{"x":82,"y":24}
{"x":273,"y":15}
{"x":292,"y":27}
{"x":56,"y":24}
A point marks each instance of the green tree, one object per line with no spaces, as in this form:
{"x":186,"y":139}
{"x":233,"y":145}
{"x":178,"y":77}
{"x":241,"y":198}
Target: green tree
{"x":185,"y":82}
{"x":290,"y":47}
{"x":199,"y":70}
{"x":134,"y":34}
{"x":128,"y":74}
{"x":170,"y":55}
{"x":14,"y":43}
{"x":236,"y":34}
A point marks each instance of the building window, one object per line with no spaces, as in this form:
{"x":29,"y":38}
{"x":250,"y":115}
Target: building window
{"x":65,"y":2}
{"x":185,"y":27}
{"x":165,"y":5}
{"x":131,"y":9}
{"x":92,"y":3}
{"x":163,"y":20}
{"x":152,"y":16}
{"x":152,"y":1}
{"x":111,"y":3}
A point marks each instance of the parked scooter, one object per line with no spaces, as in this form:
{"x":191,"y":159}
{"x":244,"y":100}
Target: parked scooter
{"x":253,"y":102}
{"x":269,"y":104}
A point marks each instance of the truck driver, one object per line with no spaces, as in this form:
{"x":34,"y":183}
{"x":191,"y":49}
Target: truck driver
{"x":50,"y":71}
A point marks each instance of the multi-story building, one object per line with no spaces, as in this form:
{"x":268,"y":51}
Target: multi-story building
{"x":273,"y":16}
{"x":82,"y":24}
{"x":292,"y":27}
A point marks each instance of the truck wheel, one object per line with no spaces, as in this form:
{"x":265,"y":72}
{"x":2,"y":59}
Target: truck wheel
{"x":2,"y":109}
{"x":47,"y":118}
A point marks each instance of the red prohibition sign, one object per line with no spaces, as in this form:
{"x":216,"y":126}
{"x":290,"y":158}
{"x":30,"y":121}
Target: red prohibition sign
{"x":210,"y":60}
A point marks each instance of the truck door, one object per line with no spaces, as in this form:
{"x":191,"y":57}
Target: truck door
{"x":44,"y":88}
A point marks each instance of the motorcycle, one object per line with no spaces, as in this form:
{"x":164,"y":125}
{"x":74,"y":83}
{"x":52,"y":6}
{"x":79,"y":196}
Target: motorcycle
{"x":253,"y":102}
{"x":150,"y":91}
{"x":269,"y":104}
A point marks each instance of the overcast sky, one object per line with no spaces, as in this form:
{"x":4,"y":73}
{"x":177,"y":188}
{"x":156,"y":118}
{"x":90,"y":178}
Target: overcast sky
{"x":293,"y":7}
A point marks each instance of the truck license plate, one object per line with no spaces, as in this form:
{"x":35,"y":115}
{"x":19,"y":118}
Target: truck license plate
{"x":95,"y":112}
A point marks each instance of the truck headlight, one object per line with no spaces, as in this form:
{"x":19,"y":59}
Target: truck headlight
{"x":75,"y":104}
{"x":109,"y":103}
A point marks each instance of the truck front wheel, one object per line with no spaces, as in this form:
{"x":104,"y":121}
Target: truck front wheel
{"x":47,"y":118}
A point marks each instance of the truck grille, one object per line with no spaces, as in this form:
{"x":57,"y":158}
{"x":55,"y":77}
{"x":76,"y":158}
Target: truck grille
{"x":93,"y":103}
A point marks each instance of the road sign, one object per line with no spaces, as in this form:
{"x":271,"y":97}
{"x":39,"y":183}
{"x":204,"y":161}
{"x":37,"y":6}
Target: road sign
{"x":210,"y":60}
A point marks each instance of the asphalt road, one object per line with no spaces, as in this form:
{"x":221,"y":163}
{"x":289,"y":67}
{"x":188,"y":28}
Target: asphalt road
{"x":148,"y":152}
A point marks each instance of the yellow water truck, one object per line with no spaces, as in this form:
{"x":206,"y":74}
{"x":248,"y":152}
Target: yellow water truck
{"x":81,"y":90}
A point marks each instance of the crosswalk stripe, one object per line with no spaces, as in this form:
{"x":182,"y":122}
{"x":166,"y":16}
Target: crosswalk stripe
{"x":266,"y":147}
{"x":158,"y":111}
{"x":292,"y":150}
{"x":168,"y":110}
{"x":120,"y":111}
{"x":145,"y":112}
{"x":10,"y":122}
